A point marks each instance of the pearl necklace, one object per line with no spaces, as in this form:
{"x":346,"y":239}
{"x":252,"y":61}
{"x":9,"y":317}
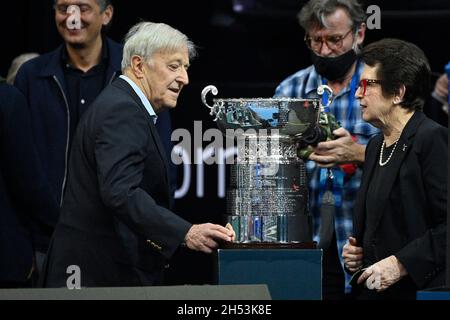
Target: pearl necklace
{"x":381,"y":163}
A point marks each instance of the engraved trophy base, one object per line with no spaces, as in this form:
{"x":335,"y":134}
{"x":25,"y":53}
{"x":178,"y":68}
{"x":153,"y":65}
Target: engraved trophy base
{"x":269,"y":245}
{"x":271,"y":229}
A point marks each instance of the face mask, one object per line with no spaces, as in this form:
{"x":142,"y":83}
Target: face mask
{"x":334,"y":68}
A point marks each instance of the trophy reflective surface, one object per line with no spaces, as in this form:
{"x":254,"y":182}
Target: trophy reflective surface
{"x":267,"y":195}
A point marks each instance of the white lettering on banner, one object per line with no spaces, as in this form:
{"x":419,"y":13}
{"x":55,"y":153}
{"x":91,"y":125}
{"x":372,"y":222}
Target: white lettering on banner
{"x":185,"y":160}
{"x":200,"y":179}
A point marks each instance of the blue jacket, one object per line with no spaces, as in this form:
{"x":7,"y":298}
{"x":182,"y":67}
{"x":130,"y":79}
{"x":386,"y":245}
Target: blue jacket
{"x":42,"y":82}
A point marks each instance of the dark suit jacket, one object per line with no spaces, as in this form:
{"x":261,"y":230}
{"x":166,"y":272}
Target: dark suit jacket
{"x":24,"y":193}
{"x":115,"y":222}
{"x":415,"y":193}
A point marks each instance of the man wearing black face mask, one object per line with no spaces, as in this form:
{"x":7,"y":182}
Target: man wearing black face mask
{"x":334,"y":30}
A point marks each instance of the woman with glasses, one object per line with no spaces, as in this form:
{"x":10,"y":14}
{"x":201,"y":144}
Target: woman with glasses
{"x":400,"y":213}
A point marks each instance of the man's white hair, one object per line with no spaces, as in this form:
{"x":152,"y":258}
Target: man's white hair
{"x":146,"y":38}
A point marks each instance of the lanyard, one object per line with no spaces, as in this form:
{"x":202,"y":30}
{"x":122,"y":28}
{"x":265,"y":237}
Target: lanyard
{"x":333,"y":178}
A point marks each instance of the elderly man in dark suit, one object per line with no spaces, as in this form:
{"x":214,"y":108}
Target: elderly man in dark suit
{"x":116,"y":227}
{"x":61,"y":85}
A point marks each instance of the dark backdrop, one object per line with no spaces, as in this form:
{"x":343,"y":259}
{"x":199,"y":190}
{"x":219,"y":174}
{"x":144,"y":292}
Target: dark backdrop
{"x":244,"y":53}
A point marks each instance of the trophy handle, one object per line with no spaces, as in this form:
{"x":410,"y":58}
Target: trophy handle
{"x":215,"y":109}
{"x":321,"y":90}
{"x":205,"y":91}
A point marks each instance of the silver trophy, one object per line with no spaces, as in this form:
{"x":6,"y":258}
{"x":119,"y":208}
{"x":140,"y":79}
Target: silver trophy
{"x":267,"y":196}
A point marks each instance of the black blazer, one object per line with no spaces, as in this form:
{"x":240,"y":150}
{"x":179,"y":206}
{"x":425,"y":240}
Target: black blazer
{"x":415,"y":193}
{"x":24,"y":193}
{"x":115,"y":222}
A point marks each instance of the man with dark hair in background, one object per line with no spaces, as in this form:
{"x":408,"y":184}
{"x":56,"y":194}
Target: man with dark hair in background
{"x":334,"y":32}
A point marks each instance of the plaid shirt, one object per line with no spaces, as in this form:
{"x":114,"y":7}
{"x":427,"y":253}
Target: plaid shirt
{"x":303,"y":84}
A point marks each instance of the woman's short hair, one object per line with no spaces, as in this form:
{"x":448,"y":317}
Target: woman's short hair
{"x":400,"y":63}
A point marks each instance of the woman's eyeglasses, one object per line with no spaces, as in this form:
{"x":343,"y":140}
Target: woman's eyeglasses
{"x":364,"y":82}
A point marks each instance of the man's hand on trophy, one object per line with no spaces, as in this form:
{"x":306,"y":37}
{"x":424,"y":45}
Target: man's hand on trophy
{"x":230,"y":227}
{"x":204,"y":237}
{"x":344,"y":149}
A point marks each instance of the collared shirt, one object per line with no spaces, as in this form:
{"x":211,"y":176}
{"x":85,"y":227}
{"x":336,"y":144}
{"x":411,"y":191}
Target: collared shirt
{"x":143,"y":98}
{"x":303,"y":84}
{"x":83,"y":87}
